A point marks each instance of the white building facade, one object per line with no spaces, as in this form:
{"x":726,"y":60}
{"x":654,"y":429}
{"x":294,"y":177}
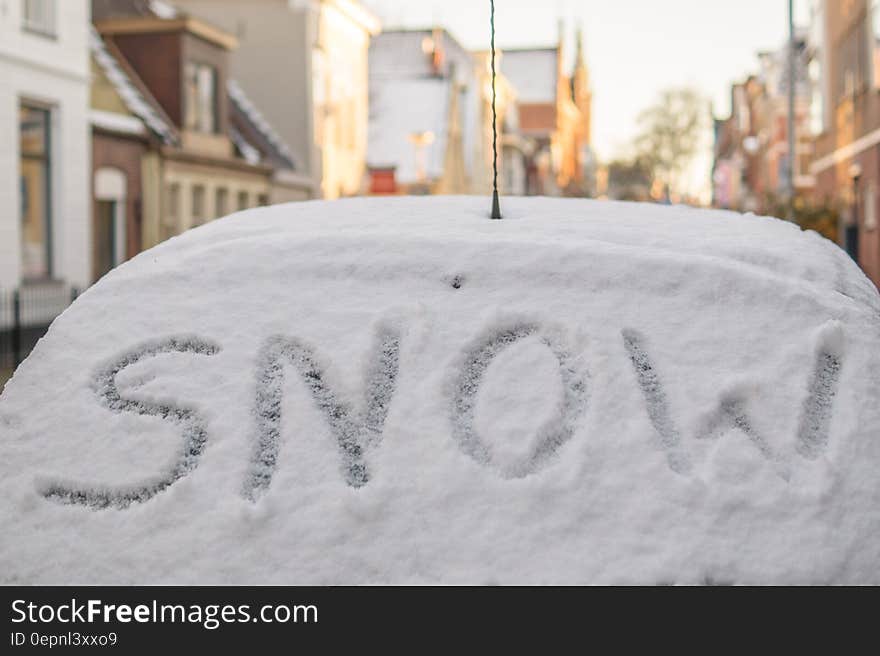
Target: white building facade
{"x":45,"y":158}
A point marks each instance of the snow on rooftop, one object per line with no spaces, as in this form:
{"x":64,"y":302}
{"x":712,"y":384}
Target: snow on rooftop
{"x":532,"y":73}
{"x":163,"y":9}
{"x":116,"y":122}
{"x":249,"y":152}
{"x":403,"y":391}
{"x":256,"y":118}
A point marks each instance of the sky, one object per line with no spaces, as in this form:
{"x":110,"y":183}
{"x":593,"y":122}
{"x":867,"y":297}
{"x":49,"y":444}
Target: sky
{"x":634,"y":48}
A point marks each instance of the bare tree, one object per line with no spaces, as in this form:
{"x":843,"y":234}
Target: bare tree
{"x":670,"y":132}
{"x":630,"y":179}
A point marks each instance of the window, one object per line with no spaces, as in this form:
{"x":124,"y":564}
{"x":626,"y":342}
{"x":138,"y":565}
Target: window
{"x":817,"y":97}
{"x":351,"y":124}
{"x":851,"y":241}
{"x":201,"y":97}
{"x":262,"y":200}
{"x":875,"y":41}
{"x":104,"y":237}
{"x":198,"y":205}
{"x":854,"y":62}
{"x":221,"y":202}
{"x":319,"y":94}
{"x":171,"y":219}
{"x":108,"y":223}
{"x":35,"y":211}
{"x":39,"y":16}
{"x":319,"y":97}
{"x":243,"y":200}
{"x":817,"y":71}
{"x":174,"y":201}
{"x":870,"y":208}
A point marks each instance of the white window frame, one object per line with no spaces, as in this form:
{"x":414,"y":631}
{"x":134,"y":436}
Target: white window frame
{"x":198,"y":204}
{"x":221,"y":202}
{"x":48,"y":160}
{"x":40,"y":16}
{"x":202,"y":98}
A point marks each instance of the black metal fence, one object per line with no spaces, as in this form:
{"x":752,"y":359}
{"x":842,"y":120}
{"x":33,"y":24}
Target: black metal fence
{"x":25,"y":315}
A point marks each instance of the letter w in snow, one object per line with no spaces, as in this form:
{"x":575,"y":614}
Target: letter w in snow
{"x":813,"y":428}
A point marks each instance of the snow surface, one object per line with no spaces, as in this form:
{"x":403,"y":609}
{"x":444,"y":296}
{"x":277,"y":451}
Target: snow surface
{"x":403,"y":391}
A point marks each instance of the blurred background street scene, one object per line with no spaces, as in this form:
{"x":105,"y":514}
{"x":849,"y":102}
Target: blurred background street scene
{"x":126,"y":122}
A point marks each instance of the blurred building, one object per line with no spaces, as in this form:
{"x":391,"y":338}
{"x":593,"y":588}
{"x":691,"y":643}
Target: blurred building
{"x":555,"y":115}
{"x":751,"y":145}
{"x":629,"y":180}
{"x":513,"y":149}
{"x":425,"y":114}
{"x":304,"y":63}
{"x":129,"y":129}
{"x":846,"y":113}
{"x":177,"y":142}
{"x":44,"y":129}
{"x":740,"y":164}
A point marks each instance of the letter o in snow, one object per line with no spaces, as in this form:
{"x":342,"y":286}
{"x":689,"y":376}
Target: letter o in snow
{"x":553,"y":435}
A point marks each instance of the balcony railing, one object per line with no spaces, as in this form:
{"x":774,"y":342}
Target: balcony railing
{"x":25,"y":315}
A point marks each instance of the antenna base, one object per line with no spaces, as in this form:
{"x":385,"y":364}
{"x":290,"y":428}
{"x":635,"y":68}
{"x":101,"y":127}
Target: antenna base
{"x":496,"y":206}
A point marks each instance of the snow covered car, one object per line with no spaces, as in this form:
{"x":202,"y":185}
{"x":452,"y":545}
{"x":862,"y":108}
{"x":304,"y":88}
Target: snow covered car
{"x":403,"y":391}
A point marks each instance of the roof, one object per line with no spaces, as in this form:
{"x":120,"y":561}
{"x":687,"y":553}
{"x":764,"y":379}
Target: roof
{"x":248,"y":151}
{"x":401,"y":53}
{"x":102,"y":9}
{"x":252,"y":134}
{"x":138,"y":101}
{"x":256,"y":141}
{"x":532,"y":72}
{"x":148,"y":16}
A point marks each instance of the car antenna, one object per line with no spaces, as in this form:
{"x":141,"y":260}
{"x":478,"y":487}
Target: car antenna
{"x":496,"y":206}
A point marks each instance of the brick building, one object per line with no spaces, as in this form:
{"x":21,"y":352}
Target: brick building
{"x":751,"y":145}
{"x":846,"y":162}
{"x":176,"y":141}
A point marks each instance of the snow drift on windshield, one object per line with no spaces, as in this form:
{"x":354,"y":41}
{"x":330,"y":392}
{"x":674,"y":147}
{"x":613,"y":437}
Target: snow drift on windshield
{"x":403,"y":391}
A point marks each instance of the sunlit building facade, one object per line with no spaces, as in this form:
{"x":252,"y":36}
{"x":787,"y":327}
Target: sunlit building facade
{"x":846,"y":118}
{"x":555,"y":115}
{"x":304,"y":63}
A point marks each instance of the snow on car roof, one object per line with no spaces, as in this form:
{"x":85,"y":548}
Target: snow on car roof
{"x":403,"y":391}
